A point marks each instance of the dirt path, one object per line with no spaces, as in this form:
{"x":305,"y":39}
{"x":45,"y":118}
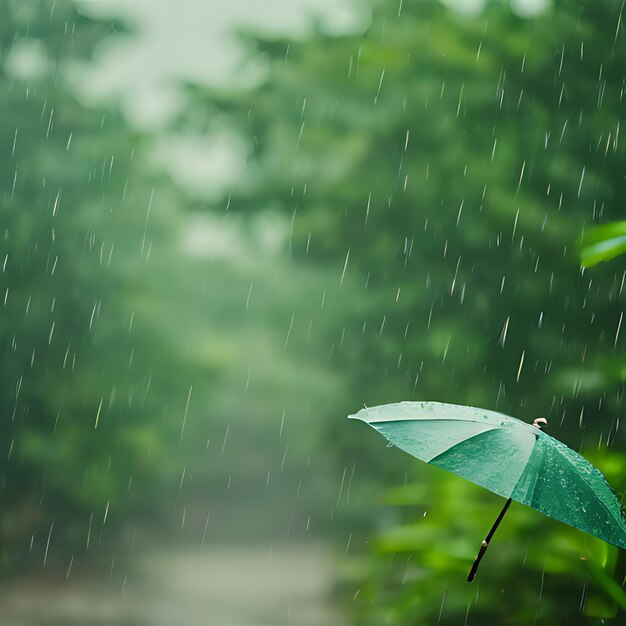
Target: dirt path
{"x":222,"y":585}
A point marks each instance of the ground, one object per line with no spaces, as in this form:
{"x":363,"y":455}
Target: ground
{"x":223,"y":585}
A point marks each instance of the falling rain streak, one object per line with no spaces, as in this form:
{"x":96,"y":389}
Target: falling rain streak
{"x":215,"y":247}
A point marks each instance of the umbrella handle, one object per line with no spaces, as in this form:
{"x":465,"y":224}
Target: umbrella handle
{"x":485,"y":543}
{"x":481,"y":552}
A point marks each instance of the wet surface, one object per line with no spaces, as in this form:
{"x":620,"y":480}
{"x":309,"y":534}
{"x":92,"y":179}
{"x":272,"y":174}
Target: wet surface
{"x":221,"y":585}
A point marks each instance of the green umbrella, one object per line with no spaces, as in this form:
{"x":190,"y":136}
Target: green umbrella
{"x":514,"y":459}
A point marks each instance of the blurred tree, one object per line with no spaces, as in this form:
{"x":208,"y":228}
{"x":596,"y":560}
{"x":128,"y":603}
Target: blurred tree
{"x":90,"y":412}
{"x":120,"y":314}
{"x":446,"y":164}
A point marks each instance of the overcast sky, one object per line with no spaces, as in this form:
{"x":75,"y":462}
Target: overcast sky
{"x":193,"y":40}
{"x":177,"y":41}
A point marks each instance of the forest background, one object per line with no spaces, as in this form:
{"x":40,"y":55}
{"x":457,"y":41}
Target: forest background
{"x":405,"y":224}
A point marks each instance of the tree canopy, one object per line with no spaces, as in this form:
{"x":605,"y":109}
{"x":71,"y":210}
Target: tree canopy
{"x":445,"y":165}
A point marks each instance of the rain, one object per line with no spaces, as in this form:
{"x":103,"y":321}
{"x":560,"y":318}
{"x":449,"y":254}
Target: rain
{"x":227,"y":229}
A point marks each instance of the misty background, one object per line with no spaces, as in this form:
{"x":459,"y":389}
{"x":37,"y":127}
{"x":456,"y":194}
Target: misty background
{"x":226,"y":228}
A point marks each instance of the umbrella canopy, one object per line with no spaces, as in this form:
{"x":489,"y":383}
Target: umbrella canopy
{"x":514,"y":459}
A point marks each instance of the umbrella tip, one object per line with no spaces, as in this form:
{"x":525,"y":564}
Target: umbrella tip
{"x":539,"y":422}
{"x":356,"y":415}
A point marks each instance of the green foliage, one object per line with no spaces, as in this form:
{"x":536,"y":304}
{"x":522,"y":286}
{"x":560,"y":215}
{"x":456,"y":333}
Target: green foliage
{"x":603,"y":243}
{"x":90,"y":413}
{"x":442,"y":166}
{"x":461,"y":240}
{"x":142,"y":371}
{"x":533,"y":569}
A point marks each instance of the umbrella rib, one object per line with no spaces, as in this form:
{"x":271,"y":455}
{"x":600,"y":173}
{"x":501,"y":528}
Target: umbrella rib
{"x":581,"y":480}
{"x":620,"y":516}
{"x":427,"y":419}
{"x":518,"y":445}
{"x":524,"y":471}
{"x":462,"y":441}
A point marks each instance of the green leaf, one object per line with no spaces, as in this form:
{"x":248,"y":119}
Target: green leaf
{"x":612,"y":588}
{"x":603,"y":243}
